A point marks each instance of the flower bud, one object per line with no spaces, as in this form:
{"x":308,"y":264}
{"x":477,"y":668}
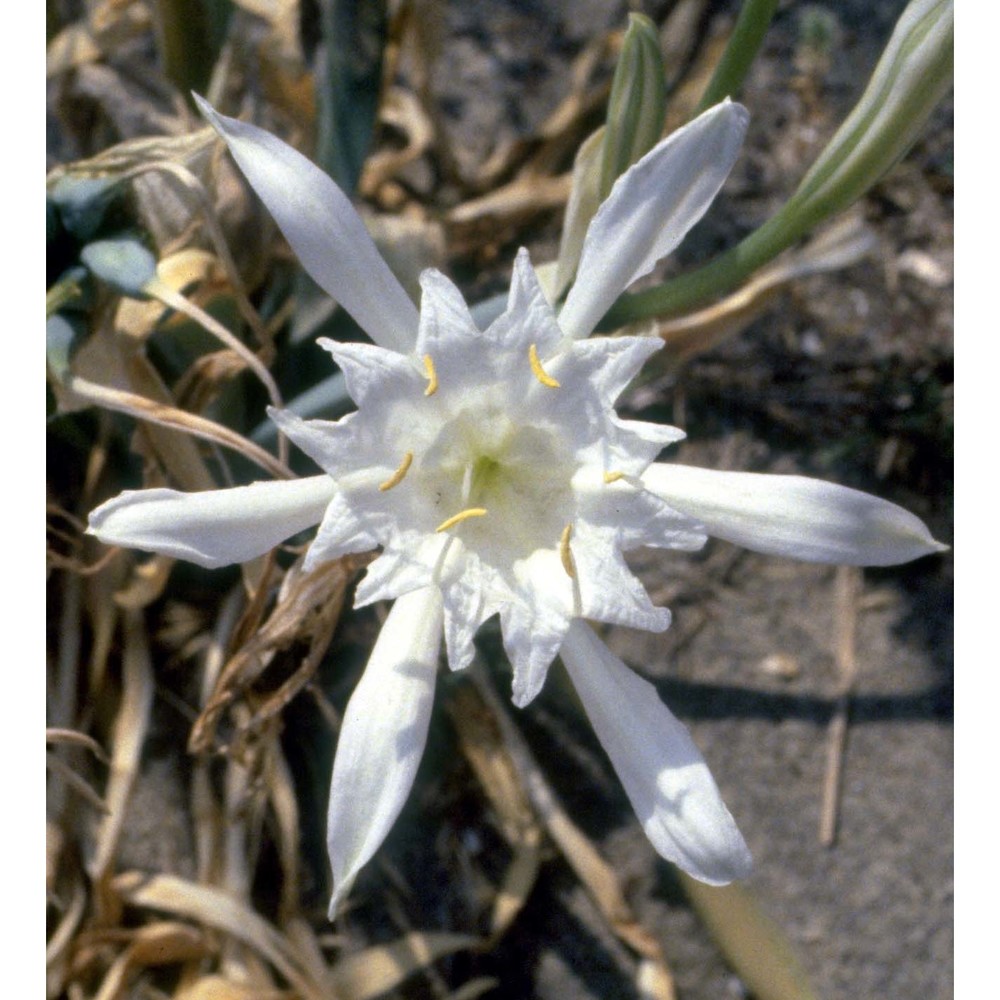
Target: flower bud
{"x":637,"y":104}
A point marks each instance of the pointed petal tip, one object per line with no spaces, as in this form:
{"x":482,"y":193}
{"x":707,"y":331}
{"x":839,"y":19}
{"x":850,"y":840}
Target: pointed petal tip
{"x":323,"y":228}
{"x":383,"y":735}
{"x":661,"y":770}
{"x":650,"y":209}
{"x":216,"y":120}
{"x":793,"y":516}
{"x":213,"y":528}
{"x":340,"y":893}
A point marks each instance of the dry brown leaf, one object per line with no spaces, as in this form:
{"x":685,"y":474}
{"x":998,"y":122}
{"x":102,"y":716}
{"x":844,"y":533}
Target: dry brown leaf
{"x":119,"y":159}
{"x":524,"y":196}
{"x":308,"y":609}
{"x":76,"y":782}
{"x":285,"y":806}
{"x":217,"y":908}
{"x":482,"y":743}
{"x":400,"y":109}
{"x":146,"y":584}
{"x":483,"y":747}
{"x":103,"y":612}
{"x":302,"y":938}
{"x":840,"y":245}
{"x":54,"y":735}
{"x":163,"y":943}
{"x":175,"y":451}
{"x":518,"y":881}
{"x":138,"y":318}
{"x":129,"y":735}
{"x":162,"y":415}
{"x":375,"y":970}
{"x":55,"y":842}
{"x":282,"y":16}
{"x":58,"y":948}
{"x":481,"y":225}
{"x":653,"y":983}
{"x":474,"y":988}
{"x":73,"y":46}
{"x":597,"y":875}
{"x":108,"y":25}
{"x":221,"y":988}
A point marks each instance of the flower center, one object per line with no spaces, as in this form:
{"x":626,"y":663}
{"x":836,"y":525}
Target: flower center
{"x":500,"y":487}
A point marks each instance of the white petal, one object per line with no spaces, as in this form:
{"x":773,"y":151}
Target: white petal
{"x":529,"y":318}
{"x":371,"y":371}
{"x":443,"y":312}
{"x":465,"y":609}
{"x":340,"y":532}
{"x":663,"y":774}
{"x":323,"y":229}
{"x":407,"y":563}
{"x":383,"y":736}
{"x":531,"y":639}
{"x":650,"y":210}
{"x":216,"y":527}
{"x":615,"y":361}
{"x":794,"y":516}
{"x":326,"y":442}
{"x":608,"y":589}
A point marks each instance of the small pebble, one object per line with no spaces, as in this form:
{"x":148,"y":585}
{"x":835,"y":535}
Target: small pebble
{"x":782,"y":665}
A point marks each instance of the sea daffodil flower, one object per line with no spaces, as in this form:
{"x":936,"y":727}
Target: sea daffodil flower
{"x":492,"y":470}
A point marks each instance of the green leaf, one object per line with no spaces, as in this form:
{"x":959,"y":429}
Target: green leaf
{"x":123,"y":263}
{"x":348,"y":85}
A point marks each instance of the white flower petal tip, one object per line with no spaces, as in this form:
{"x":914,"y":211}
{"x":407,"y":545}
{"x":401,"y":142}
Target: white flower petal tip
{"x":383,"y":736}
{"x":793,"y":516}
{"x":665,"y":777}
{"x":214,"y":528}
{"x":323,"y":228}
{"x":650,"y":209}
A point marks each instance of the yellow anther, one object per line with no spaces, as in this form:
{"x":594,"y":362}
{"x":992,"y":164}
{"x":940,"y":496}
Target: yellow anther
{"x":538,"y":371}
{"x":613,"y":477}
{"x":397,"y":477}
{"x":564,"y":552}
{"x":432,"y":378}
{"x":462,"y":515}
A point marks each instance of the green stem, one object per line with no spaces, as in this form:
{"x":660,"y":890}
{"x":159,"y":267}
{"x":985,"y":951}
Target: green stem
{"x":912,"y":77}
{"x":744,"y":43}
{"x":722,"y":275}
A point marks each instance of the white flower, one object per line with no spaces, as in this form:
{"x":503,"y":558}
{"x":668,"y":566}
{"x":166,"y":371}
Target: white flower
{"x":492,"y":470}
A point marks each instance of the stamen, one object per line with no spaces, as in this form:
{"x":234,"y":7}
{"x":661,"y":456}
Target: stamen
{"x":538,"y":371}
{"x":397,"y":477}
{"x":613,"y":477}
{"x":432,"y":379}
{"x":462,"y":515}
{"x":565,"y":554}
